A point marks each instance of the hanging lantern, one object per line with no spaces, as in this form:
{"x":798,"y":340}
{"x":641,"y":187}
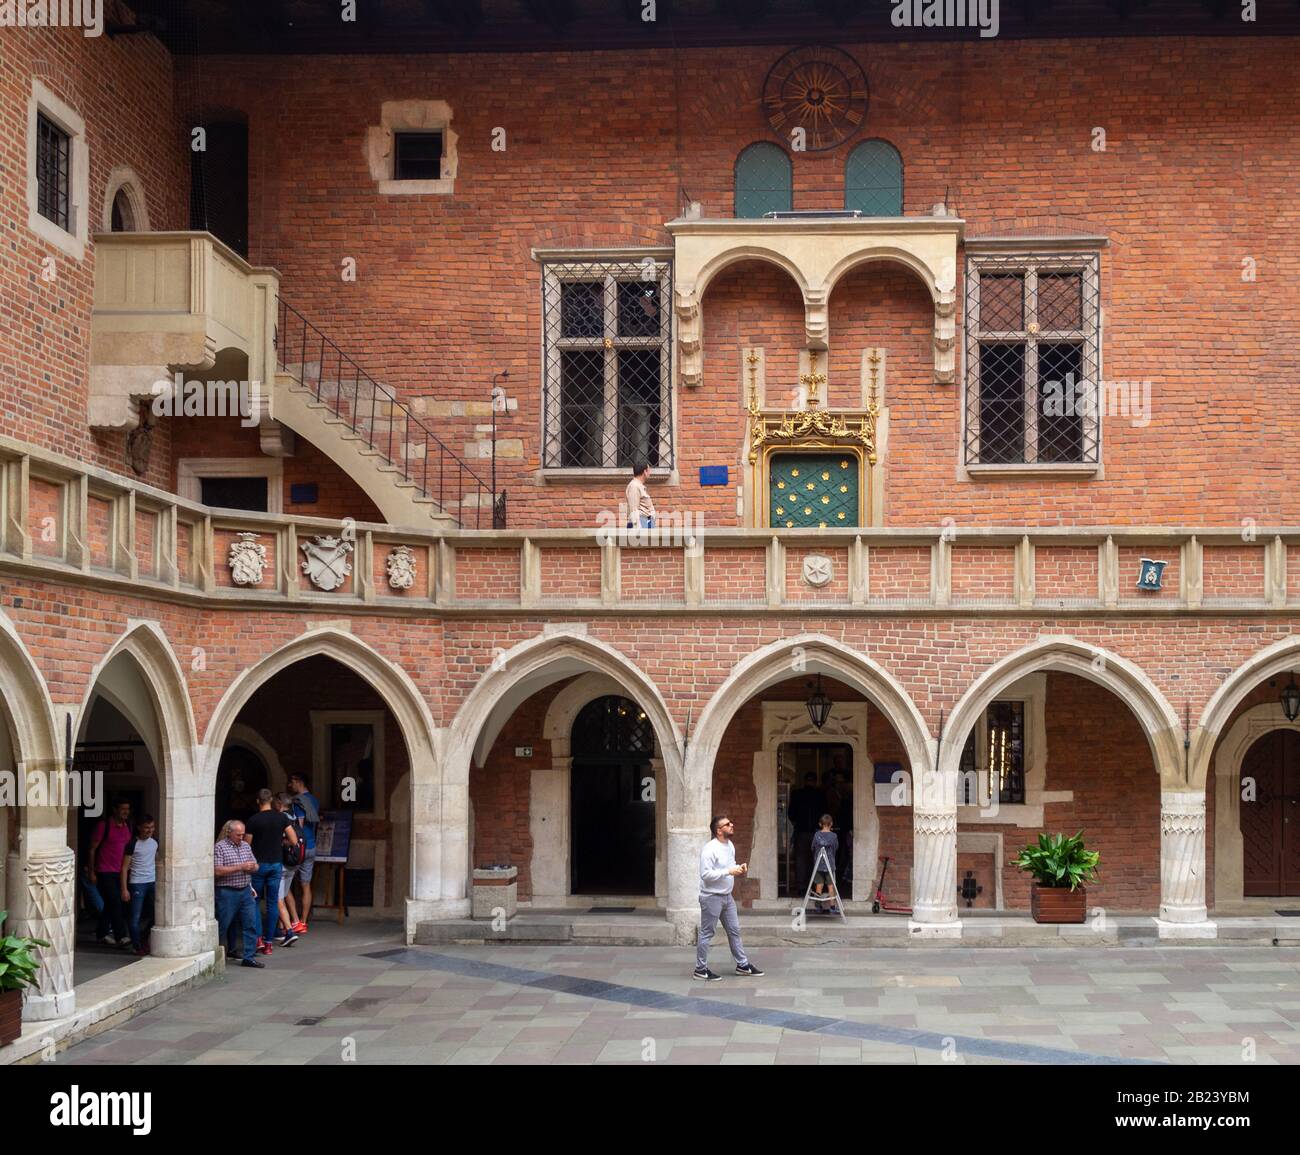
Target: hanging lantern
{"x":819,"y":705}
{"x":1291,"y":700}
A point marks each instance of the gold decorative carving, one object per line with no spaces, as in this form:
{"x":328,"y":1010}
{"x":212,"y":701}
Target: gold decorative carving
{"x":811,"y":426}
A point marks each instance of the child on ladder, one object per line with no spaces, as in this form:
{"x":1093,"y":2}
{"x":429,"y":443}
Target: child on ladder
{"x":824,"y":882}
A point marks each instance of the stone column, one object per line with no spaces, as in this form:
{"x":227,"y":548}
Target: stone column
{"x":183,"y":900}
{"x":41,"y":903}
{"x":1183,"y":912}
{"x":934,"y":871}
{"x":684,"y":845}
{"x":439,"y":842}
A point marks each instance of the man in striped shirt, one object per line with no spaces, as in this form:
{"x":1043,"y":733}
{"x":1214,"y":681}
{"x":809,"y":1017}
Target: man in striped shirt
{"x":234,"y":866}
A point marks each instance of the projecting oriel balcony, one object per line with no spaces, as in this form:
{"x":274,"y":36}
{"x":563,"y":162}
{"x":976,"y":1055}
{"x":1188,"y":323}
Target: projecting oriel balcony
{"x":816,"y":249}
{"x":174,"y":301}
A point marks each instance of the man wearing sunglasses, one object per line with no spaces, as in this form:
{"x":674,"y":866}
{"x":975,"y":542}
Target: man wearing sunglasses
{"x":718,"y":871}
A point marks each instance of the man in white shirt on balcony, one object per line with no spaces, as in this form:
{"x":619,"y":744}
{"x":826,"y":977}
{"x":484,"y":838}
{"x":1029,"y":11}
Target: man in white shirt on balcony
{"x":640,"y":509}
{"x":718,"y":871}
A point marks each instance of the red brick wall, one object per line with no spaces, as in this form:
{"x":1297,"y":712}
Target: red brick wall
{"x":571,"y":572}
{"x":337,"y":495}
{"x":487,"y":573}
{"x":1232,"y":572}
{"x":1065,"y":571}
{"x":1003,"y":129}
{"x":900,"y":571}
{"x":835,"y":590}
{"x":122,"y":87}
{"x":653,"y":575}
{"x":739,"y":574}
{"x":979,"y":572}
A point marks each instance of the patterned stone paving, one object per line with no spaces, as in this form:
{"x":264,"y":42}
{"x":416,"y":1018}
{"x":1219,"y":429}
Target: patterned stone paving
{"x":360,"y":995}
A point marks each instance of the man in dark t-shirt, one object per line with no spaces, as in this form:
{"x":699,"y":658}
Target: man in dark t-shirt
{"x":265,"y":830}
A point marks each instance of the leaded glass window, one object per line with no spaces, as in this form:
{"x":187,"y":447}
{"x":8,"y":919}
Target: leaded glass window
{"x":764,"y":181}
{"x":607,"y":393}
{"x":873,"y":179}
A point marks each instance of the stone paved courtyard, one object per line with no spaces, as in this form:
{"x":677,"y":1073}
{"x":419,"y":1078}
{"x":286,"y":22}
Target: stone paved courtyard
{"x":331,"y":997}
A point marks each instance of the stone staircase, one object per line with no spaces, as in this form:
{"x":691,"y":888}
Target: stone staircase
{"x":408,"y":472}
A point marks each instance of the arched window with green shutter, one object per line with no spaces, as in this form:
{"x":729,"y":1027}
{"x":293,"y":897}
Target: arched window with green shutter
{"x":873,"y":179}
{"x":764,"y":181}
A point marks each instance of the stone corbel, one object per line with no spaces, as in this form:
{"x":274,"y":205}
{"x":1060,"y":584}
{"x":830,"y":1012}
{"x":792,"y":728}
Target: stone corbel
{"x":275,"y":439}
{"x":816,"y":318}
{"x":945,"y":336}
{"x":690,"y":352}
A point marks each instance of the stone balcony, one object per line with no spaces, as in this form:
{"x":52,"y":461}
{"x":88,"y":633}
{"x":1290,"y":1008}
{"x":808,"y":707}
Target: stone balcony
{"x":64,"y":519}
{"x":174,"y":301}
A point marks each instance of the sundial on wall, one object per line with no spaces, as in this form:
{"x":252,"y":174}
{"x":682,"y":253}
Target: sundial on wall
{"x":822,"y":90}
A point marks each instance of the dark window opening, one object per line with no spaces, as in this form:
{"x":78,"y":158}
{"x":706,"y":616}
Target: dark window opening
{"x":1002,"y":403}
{"x":53,"y":171}
{"x":1006,"y":723}
{"x":1002,"y":303}
{"x":582,"y":309}
{"x":417,"y":156}
{"x":638,"y":406}
{"x":1063,"y":400}
{"x":235,"y":492}
{"x":219,"y":184}
{"x":582,"y":407}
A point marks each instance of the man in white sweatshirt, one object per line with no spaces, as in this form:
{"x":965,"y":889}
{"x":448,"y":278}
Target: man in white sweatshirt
{"x":718,"y":871}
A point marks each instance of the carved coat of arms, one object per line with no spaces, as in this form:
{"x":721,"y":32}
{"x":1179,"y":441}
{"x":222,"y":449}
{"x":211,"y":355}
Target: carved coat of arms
{"x":401,"y":568}
{"x":817,"y":569}
{"x":247,"y":560}
{"x":326,"y":564}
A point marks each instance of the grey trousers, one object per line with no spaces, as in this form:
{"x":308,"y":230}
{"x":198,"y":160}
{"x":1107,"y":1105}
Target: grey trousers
{"x":712,"y":908}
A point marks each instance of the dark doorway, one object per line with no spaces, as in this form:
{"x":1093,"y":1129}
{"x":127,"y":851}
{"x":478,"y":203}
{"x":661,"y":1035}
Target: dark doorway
{"x":612,"y":799}
{"x":812,"y":779}
{"x":219,"y":184}
{"x":240,"y":775}
{"x":1270,"y":824}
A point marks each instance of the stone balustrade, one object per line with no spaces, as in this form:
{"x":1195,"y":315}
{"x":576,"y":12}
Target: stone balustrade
{"x":70,"y":520}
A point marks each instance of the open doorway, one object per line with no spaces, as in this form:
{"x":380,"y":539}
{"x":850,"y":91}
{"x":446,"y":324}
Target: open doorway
{"x":812,"y":779}
{"x":613,"y":799}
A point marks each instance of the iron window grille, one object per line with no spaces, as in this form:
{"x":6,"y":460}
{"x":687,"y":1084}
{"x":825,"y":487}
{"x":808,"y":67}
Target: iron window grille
{"x":417,"y":156}
{"x":1033,"y":359}
{"x":53,"y":171}
{"x":873,"y":179}
{"x":607,"y":389}
{"x":764,"y":181}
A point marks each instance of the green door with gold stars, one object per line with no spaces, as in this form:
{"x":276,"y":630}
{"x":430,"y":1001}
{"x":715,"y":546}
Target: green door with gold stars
{"x":813,"y":489}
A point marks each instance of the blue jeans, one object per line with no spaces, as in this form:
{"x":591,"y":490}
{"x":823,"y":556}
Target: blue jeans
{"x":141,"y":899}
{"x":232,"y":902}
{"x":267,"y":884}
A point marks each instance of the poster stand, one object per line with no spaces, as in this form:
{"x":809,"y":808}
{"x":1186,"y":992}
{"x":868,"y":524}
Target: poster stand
{"x":333,"y":844}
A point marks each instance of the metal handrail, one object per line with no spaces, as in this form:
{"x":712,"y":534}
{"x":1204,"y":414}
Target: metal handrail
{"x":295,"y":334}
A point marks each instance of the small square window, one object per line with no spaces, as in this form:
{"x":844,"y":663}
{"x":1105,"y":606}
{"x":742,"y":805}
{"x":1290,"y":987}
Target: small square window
{"x":417,"y":156}
{"x":53,"y":171}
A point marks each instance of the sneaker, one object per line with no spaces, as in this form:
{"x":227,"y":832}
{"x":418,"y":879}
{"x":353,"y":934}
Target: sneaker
{"x":287,"y":939}
{"x":252,"y":962}
{"x":750,"y":971}
{"x":299,"y":928}
{"x":108,"y":940}
{"x":706,"y":975}
{"x":264,"y":948}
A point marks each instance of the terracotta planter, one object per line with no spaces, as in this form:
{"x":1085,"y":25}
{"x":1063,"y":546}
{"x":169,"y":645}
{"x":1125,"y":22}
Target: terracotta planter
{"x":1058,"y":903}
{"x":11,"y":1016}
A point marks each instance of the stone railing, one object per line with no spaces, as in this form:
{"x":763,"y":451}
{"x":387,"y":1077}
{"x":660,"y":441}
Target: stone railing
{"x":63,"y":519}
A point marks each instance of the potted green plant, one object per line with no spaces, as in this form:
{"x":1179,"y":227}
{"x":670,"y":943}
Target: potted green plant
{"x":1060,"y":867}
{"x":18,"y":967}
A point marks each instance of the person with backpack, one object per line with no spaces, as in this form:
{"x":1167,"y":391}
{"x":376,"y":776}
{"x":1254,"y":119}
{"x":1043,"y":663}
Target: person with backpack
{"x":307,"y":808}
{"x":292,"y":852}
{"x":266,"y":831}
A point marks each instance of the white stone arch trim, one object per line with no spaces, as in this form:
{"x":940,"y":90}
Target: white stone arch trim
{"x":888,"y":255}
{"x":29,"y":710}
{"x":550,"y":793}
{"x":1229,"y":847}
{"x":775,"y":662}
{"x":124,"y":177}
{"x":147,"y":644}
{"x":1066,"y":654}
{"x":1280,"y":657}
{"x":516,"y":675}
{"x":386,"y":677}
{"x":749,"y":252}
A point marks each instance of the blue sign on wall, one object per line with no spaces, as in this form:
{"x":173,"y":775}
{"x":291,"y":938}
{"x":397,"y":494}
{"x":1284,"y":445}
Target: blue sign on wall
{"x":714,"y":474}
{"x":303,"y":493}
{"x":1151,"y":574}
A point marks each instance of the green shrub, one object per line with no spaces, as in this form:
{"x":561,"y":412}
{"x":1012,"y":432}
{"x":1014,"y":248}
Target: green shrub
{"x":1058,"y":861}
{"x":18,"y":966}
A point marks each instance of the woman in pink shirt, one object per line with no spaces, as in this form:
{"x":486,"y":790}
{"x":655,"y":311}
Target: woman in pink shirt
{"x":107,"y":845}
